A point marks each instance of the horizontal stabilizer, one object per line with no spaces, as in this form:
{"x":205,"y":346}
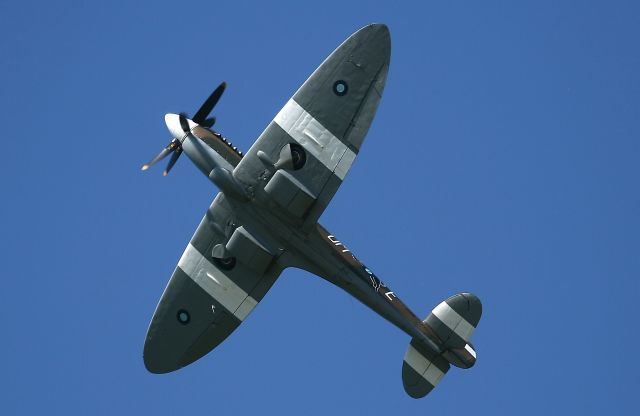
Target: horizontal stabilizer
{"x":450,"y":326}
{"x":422,"y":370}
{"x":454,"y":321}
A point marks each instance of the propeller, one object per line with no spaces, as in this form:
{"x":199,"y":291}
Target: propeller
{"x":174,"y":158}
{"x":201,"y":117}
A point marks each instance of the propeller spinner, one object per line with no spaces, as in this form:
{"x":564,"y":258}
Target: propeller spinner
{"x":179,"y":125}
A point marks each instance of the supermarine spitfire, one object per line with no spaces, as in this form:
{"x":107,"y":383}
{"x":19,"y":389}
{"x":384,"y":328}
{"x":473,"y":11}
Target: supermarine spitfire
{"x":265,"y":219}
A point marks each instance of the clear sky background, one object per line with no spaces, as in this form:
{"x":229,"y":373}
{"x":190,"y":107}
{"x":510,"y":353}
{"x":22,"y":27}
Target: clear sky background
{"x":503,"y":161}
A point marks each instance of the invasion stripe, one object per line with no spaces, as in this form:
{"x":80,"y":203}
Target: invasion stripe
{"x":315,"y":138}
{"x":216,"y":283}
{"x":454,"y":321}
{"x":423,"y":366}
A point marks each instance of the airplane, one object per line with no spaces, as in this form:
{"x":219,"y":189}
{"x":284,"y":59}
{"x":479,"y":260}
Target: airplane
{"x":265,"y":219}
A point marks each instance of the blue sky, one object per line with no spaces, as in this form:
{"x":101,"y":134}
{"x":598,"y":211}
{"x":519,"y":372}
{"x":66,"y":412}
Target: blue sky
{"x":503,"y":161}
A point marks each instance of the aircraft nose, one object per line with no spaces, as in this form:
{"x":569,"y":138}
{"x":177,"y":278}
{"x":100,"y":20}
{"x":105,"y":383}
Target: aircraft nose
{"x":173,"y":124}
{"x":176,"y":127}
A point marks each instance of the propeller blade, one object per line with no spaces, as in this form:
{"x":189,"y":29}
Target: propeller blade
{"x":209,"y":122}
{"x":183,"y":122}
{"x":208,"y":105}
{"x":163,"y":153}
{"x":201,"y":117}
{"x":172,"y":161}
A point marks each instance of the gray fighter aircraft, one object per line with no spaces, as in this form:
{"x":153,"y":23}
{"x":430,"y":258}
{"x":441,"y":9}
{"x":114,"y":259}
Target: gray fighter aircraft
{"x":265,"y":219}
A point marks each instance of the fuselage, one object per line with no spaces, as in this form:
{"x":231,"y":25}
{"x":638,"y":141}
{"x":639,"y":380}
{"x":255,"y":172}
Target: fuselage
{"x":317,"y":250}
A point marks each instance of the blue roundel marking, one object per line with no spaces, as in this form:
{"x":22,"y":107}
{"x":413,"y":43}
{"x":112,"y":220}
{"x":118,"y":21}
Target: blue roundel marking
{"x":183,"y":317}
{"x":340,"y":88}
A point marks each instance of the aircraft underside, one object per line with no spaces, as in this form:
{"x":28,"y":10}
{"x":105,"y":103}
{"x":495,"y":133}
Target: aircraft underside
{"x":265,"y":219}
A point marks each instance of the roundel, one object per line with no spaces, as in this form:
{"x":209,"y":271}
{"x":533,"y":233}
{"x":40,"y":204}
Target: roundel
{"x":340,"y":88}
{"x":183,"y":316}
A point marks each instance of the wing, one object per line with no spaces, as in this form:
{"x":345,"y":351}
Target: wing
{"x":328,"y":117}
{"x":206,"y":299}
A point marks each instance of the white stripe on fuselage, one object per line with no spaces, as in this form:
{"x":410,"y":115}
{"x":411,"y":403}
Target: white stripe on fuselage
{"x":216,"y":283}
{"x":315,"y":138}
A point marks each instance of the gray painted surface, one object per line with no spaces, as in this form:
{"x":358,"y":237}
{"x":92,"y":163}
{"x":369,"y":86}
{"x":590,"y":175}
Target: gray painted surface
{"x":266,"y":215}
{"x":453,"y":321}
{"x":422,"y":370}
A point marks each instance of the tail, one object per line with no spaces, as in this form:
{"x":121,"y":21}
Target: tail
{"x":450,"y":325}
